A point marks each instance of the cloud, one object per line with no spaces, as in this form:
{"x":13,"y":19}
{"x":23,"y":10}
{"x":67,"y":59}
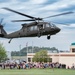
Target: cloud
{"x":59,"y":5}
{"x":40,"y":8}
{"x":37,"y":1}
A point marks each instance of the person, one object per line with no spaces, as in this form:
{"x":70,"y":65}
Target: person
{"x":73,"y":66}
{"x":3,"y":66}
{"x":52,"y":66}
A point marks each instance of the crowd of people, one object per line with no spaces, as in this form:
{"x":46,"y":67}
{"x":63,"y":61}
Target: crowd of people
{"x":24,"y":65}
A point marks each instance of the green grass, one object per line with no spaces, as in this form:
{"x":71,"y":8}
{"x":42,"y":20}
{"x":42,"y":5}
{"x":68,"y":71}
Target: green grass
{"x":37,"y":72}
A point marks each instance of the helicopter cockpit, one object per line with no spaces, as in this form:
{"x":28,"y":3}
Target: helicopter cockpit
{"x":49,"y":24}
{"x":52,"y":25}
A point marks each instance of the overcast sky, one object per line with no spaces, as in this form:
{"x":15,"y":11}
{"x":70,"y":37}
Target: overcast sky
{"x":40,"y":8}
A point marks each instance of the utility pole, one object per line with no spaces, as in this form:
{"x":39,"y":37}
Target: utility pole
{"x":19,"y":52}
{"x":32,"y":46}
{"x":27,"y":46}
{"x":27,"y":49}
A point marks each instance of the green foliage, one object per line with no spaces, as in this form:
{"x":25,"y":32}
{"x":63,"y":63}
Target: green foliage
{"x":41,"y":56}
{"x":23,"y":52}
{"x":3,"y":55}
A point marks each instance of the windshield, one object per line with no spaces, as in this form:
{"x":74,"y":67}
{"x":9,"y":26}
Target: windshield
{"x":51,"y":24}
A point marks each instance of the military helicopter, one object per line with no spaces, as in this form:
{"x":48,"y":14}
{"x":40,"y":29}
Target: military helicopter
{"x":36,"y":28}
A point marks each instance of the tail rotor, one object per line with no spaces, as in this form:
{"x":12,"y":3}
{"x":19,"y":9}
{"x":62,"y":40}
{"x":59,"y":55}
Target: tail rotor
{"x":2,"y":31}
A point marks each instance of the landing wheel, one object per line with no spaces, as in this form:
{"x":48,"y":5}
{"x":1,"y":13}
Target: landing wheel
{"x":48,"y":37}
{"x":9,"y":40}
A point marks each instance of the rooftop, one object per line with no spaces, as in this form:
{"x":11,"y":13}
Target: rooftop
{"x":73,"y":44}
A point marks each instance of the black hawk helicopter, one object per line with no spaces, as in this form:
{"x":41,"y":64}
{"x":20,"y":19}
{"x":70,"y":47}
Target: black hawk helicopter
{"x":36,"y":28}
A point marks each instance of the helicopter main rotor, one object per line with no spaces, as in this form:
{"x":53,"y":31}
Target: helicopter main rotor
{"x":35,"y":18}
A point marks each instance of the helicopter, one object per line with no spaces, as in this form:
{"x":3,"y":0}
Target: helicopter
{"x":36,"y":28}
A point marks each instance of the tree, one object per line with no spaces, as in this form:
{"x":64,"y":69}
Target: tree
{"x":23,"y":51}
{"x":3,"y":54}
{"x":41,"y":56}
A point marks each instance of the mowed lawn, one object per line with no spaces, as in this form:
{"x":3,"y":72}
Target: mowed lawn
{"x":37,"y":72}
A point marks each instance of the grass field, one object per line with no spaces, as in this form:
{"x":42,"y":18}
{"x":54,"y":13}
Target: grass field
{"x":37,"y":72}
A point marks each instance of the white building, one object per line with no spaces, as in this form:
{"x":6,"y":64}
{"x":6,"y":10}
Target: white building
{"x":8,"y":55}
{"x":67,"y":58}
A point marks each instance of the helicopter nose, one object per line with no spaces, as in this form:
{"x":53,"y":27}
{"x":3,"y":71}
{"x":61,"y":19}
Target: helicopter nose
{"x":58,"y":29}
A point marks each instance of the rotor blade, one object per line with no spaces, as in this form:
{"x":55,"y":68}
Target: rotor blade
{"x":1,"y":20}
{"x":21,"y":20}
{"x":64,"y":24}
{"x":65,"y":13}
{"x":18,"y":13}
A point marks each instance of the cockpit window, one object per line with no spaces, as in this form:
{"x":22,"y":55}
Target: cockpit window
{"x":51,"y":24}
{"x":47,"y":25}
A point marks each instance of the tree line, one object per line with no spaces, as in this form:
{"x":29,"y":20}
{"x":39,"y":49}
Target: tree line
{"x":30,"y":49}
{"x":3,"y":55}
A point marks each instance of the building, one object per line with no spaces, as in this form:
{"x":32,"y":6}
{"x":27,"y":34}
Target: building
{"x":8,"y":55}
{"x":21,"y":58}
{"x":67,"y":58}
{"x":72,"y":48}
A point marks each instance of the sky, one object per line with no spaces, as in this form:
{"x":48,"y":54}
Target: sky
{"x":39,"y":8}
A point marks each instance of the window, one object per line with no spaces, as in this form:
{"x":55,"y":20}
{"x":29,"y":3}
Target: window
{"x":0,"y":31}
{"x":29,"y":59}
{"x":73,"y":50}
{"x":33,"y":28}
{"x":47,"y":25}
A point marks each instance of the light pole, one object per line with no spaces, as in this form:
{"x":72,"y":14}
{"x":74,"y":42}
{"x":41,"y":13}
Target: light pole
{"x":19,"y":52}
{"x":32,"y":46}
{"x":27,"y":46}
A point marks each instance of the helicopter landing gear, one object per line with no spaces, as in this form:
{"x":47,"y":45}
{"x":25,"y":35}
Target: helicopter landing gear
{"x":9,"y":40}
{"x":39,"y":34}
{"x":48,"y":37}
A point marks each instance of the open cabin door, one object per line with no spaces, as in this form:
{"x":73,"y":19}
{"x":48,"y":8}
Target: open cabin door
{"x":40,"y":29}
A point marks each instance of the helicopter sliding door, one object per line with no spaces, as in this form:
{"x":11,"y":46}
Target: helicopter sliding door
{"x":40,"y":29}
{"x":32,"y":31}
